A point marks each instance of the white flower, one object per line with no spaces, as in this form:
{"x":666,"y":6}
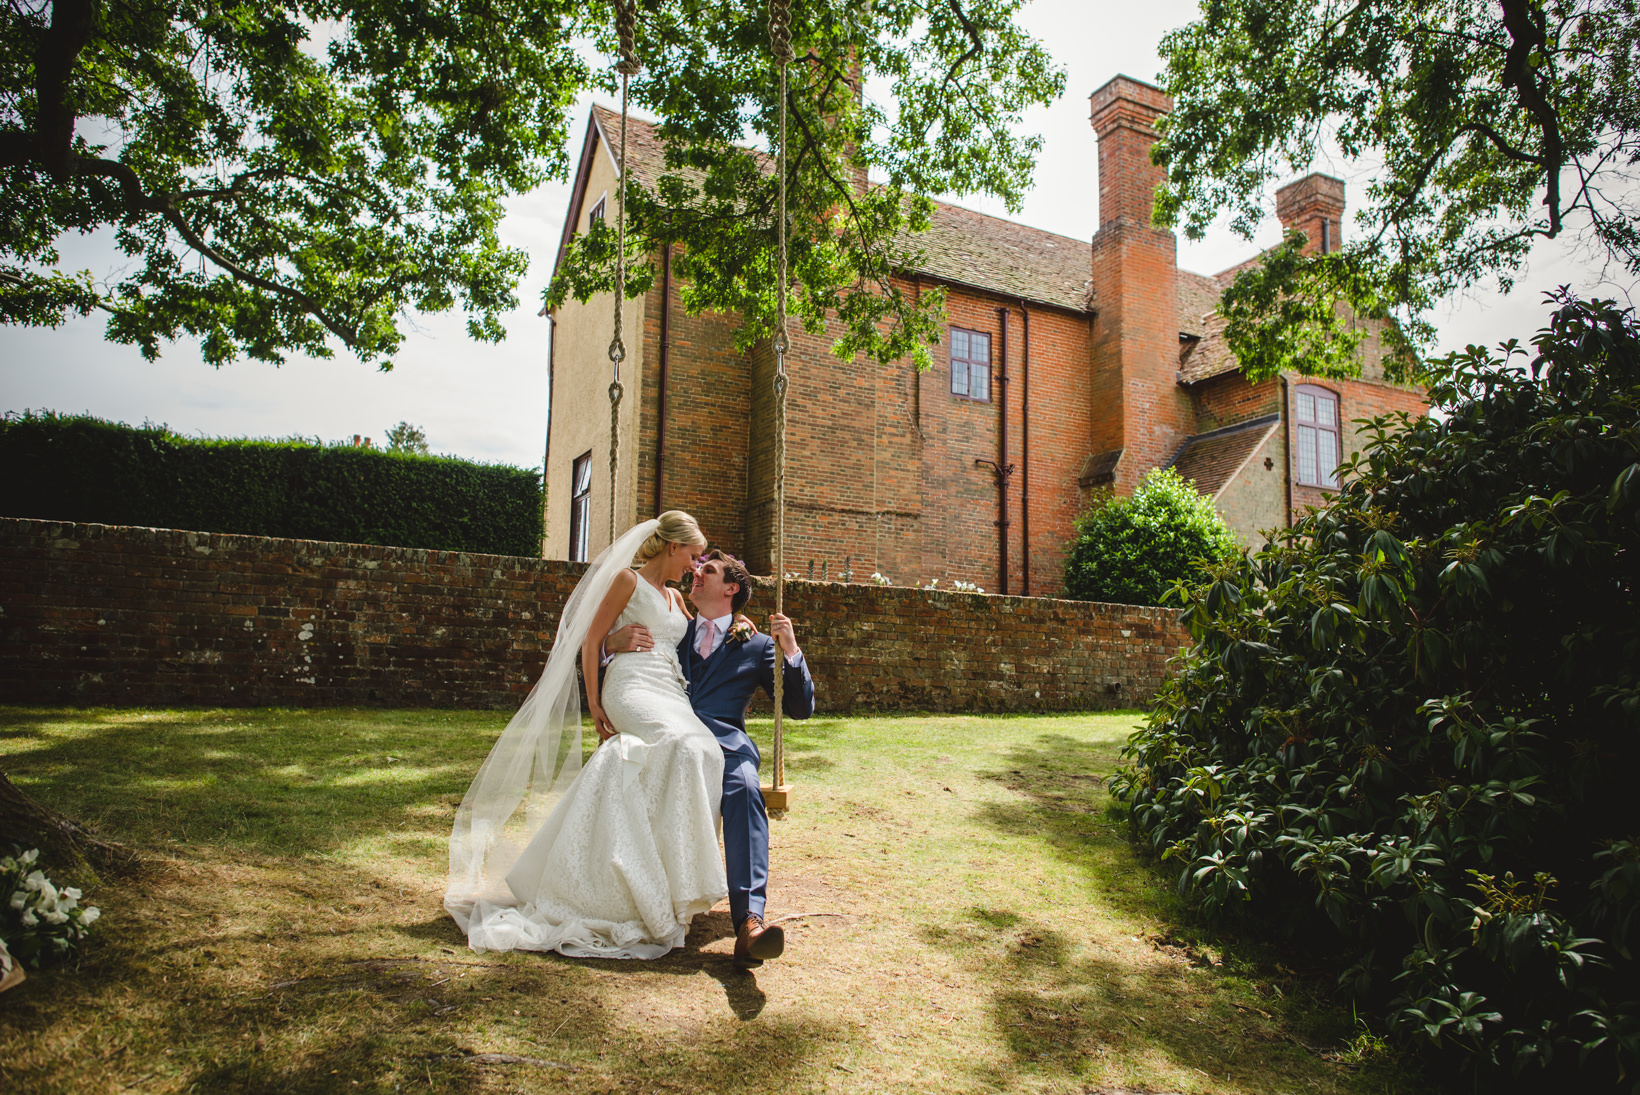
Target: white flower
{"x":29,"y":919}
{"x":18,"y":899}
{"x":29,"y":857}
{"x":89,"y":916}
{"x":72,"y":893}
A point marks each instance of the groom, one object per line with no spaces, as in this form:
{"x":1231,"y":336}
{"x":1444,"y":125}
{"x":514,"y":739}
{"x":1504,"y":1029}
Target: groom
{"x":726,"y":665}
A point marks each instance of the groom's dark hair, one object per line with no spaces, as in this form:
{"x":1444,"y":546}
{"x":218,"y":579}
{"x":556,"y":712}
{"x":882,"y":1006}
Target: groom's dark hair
{"x":735,"y":571}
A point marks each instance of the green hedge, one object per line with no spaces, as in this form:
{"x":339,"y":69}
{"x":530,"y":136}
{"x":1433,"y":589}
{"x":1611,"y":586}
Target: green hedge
{"x":86,"y":469}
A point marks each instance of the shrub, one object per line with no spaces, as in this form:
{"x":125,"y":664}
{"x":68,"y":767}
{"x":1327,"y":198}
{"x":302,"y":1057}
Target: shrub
{"x":1132,"y":550}
{"x":85,"y":469}
{"x":1409,"y":728}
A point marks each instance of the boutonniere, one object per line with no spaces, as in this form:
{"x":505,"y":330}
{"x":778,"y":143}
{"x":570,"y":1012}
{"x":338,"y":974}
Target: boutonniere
{"x":739,"y":632}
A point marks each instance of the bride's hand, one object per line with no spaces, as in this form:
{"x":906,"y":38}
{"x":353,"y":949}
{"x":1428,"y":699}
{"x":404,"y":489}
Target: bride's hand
{"x":601,"y":723}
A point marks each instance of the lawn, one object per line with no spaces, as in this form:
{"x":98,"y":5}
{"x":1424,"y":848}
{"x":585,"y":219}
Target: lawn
{"x":966,"y":915}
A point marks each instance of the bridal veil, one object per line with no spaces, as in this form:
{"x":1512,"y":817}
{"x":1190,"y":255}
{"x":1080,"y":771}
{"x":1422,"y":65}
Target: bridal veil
{"x":537,"y":756}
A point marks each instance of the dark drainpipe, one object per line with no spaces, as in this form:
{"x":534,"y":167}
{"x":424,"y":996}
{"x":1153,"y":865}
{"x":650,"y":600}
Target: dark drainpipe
{"x":546,"y":454}
{"x":666,"y":345}
{"x":1287,"y":448}
{"x":1002,"y":462}
{"x":1000,"y":468}
{"x":1025,"y":450}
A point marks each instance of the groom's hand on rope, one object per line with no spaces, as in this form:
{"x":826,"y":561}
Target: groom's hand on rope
{"x":780,"y":627}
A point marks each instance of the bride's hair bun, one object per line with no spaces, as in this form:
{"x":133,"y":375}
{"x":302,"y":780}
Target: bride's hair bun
{"x":675,"y":527}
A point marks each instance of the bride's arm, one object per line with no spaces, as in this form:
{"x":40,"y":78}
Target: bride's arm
{"x":614,"y":602}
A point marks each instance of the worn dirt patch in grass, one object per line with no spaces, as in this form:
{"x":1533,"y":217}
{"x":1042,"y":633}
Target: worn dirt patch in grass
{"x":966,"y":916}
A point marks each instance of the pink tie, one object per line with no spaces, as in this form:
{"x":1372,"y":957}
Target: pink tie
{"x":706,"y":637}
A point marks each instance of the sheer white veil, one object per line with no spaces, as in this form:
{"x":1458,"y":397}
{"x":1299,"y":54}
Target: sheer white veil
{"x":537,"y":756}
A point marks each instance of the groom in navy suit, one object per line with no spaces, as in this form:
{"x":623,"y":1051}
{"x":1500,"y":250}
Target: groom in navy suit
{"x":726,"y":664}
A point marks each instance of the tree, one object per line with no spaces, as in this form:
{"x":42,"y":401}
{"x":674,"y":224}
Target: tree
{"x":1496,"y":122}
{"x":1408,"y":731}
{"x":407,"y":438}
{"x":293,"y":174}
{"x":1132,"y":550}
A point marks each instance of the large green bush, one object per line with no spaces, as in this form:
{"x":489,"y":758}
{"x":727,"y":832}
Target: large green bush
{"x":85,"y":469}
{"x":1409,"y":730}
{"x":1132,"y":550}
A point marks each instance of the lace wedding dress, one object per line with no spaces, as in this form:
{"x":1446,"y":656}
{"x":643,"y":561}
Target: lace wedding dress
{"x":628,"y":853}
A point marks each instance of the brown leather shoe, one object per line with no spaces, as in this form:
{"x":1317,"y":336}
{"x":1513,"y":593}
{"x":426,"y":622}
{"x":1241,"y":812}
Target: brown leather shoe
{"x":754,"y":943}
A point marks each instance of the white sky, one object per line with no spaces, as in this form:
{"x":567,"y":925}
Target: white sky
{"x":488,"y":402}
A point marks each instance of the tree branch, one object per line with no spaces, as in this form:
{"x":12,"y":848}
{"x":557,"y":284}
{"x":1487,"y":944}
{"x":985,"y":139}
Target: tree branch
{"x":165,"y":206}
{"x":24,"y":283}
{"x":1518,"y":73}
{"x":72,"y":24}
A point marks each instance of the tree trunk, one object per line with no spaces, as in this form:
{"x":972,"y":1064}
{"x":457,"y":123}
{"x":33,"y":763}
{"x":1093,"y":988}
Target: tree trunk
{"x":63,"y":840}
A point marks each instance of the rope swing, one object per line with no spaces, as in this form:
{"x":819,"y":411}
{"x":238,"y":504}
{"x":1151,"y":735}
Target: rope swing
{"x":780,"y":44}
{"x":626,"y":22}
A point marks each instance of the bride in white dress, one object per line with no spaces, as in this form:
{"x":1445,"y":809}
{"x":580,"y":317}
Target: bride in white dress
{"x":613,"y":860}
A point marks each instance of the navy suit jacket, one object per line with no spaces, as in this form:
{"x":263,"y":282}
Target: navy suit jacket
{"x":722,"y":686}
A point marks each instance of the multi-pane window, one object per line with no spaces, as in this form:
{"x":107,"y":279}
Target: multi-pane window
{"x":970,"y":364}
{"x":580,"y":508}
{"x":596,"y":215}
{"x":1315,"y":434}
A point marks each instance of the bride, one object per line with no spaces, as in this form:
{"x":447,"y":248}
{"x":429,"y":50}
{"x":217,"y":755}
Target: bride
{"x":613,"y":860}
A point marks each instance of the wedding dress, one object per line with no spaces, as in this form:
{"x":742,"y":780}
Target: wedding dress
{"x":625,"y":852}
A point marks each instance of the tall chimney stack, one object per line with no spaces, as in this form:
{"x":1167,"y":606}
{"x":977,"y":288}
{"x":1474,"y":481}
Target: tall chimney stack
{"x":1315,"y":206}
{"x":1140,"y":413}
{"x":1124,"y":114}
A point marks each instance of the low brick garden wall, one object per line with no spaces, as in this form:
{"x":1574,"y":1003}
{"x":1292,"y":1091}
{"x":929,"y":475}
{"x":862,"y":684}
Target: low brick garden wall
{"x":99,"y":614}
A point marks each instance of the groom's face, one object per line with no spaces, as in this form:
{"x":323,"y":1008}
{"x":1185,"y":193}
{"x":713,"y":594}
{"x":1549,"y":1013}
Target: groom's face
{"x":710,"y":590}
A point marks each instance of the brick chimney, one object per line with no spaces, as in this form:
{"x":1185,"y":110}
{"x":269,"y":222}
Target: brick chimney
{"x":1140,"y":412}
{"x":1315,"y":206}
{"x":1124,"y":114}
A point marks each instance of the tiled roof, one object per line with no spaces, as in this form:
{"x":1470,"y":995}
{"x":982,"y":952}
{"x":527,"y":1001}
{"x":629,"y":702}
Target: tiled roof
{"x":1210,"y":459}
{"x":1198,"y":298}
{"x":960,"y":245}
{"x":1211,"y":355}
{"x":1010,"y":259}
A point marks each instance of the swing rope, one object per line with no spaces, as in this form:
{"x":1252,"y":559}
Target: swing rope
{"x":626,"y":22}
{"x":780,"y":43}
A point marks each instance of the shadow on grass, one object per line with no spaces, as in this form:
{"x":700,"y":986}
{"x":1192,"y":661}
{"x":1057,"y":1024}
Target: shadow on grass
{"x":271,"y":954}
{"x":262,"y":781}
{"x":1061,"y":1005}
{"x":235,"y":976}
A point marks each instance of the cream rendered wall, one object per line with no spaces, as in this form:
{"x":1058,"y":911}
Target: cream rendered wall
{"x":580,"y":395}
{"x":1255,"y":498}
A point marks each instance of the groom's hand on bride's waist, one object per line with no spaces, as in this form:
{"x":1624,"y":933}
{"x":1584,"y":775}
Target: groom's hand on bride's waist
{"x":629,"y":638}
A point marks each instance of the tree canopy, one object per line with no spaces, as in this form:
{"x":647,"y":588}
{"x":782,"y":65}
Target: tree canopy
{"x":290,"y":175}
{"x":1494,"y":123}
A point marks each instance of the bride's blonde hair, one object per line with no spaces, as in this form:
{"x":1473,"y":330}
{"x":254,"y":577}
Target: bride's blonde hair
{"x":676,"y":527}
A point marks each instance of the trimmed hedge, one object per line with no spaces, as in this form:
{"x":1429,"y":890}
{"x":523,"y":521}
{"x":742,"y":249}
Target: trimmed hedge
{"x":86,"y":469}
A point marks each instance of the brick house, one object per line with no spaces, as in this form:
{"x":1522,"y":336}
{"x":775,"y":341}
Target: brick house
{"x":1064,"y":369}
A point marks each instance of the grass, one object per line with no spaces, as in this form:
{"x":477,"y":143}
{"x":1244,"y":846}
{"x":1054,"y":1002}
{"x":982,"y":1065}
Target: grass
{"x":968,"y":916}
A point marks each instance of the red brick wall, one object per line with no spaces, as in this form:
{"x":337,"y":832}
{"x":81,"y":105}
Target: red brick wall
{"x":1229,"y":398}
{"x":708,"y":400}
{"x":96,"y":614}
